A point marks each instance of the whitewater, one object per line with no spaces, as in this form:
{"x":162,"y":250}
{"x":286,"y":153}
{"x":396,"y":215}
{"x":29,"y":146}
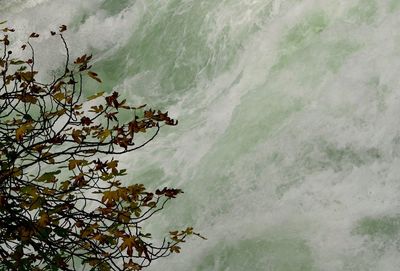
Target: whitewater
{"x":288,"y":143}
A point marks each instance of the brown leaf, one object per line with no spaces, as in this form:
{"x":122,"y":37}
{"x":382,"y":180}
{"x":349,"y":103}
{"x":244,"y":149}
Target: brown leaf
{"x":96,"y":109}
{"x":27,"y":76}
{"x":77,"y":136}
{"x":8,"y":29}
{"x":27,"y":98}
{"x":63,"y":28}
{"x":175,"y":249}
{"x":128,"y":244}
{"x":34,"y":35}
{"x":72,"y":164}
{"x":94,"y":76}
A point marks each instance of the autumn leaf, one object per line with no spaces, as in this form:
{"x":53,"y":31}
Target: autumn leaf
{"x":43,"y":220}
{"x":22,"y":131}
{"x":96,"y":109}
{"x":104,"y":134}
{"x":74,"y":163}
{"x":59,"y":96}
{"x":94,"y":76}
{"x":113,"y":164}
{"x":175,"y":249}
{"x":128,"y":244}
{"x":86,"y":121}
{"x":132,"y":266}
{"x":83,"y":59}
{"x":27,"y":98}
{"x":99,"y":94}
{"x":34,"y":35}
{"x":77,"y":136}
{"x":6,"y":29}
{"x":36,"y":203}
{"x":63,"y":28}
{"x":49,"y":157}
{"x":79,"y":181}
{"x":27,"y":76}
{"x":49,"y":191}
{"x":15,"y":172}
{"x":110,"y":197}
{"x":30,"y":190}
{"x":49,"y":176}
{"x":65,"y":185}
{"x":148,"y":114}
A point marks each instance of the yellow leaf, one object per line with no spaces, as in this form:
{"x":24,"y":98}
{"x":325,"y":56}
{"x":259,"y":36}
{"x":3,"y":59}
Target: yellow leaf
{"x":112,"y":164}
{"x":74,"y":163}
{"x":22,"y":130}
{"x":110,"y":197}
{"x":59,"y":96}
{"x":19,"y":133}
{"x":16,"y":172}
{"x":65,"y":185}
{"x":104,"y":134}
{"x":95,"y":96}
{"x":44,"y":220}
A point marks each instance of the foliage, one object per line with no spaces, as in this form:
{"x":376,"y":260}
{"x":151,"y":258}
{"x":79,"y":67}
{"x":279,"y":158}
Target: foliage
{"x":62,"y":204}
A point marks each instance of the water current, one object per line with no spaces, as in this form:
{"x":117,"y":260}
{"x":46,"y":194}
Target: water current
{"x":288,"y":143}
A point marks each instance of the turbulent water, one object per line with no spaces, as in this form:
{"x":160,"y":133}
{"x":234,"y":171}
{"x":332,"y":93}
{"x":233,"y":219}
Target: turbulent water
{"x":288,"y":147}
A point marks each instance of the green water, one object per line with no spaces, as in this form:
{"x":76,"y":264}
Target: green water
{"x":288,"y":147}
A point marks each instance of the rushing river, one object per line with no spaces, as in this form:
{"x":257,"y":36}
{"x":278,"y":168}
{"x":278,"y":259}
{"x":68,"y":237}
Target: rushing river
{"x":288,"y":143}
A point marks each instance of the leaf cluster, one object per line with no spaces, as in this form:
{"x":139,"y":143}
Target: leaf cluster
{"x":62,"y":202}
